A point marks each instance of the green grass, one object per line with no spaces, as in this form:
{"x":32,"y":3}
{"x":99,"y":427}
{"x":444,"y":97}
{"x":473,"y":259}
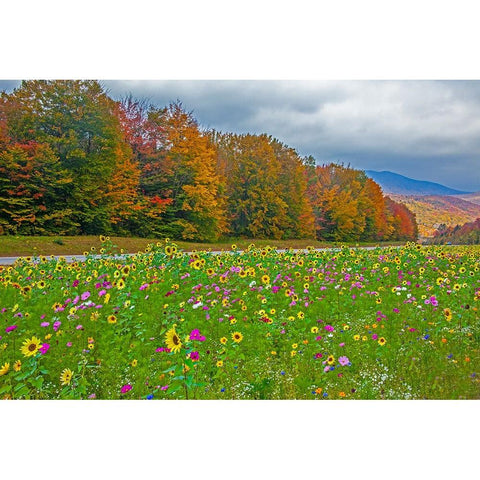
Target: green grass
{"x":367,"y":314}
{"x":13,"y":246}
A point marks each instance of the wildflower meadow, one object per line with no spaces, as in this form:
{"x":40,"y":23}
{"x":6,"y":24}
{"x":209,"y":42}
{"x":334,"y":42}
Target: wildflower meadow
{"x":344,"y":323}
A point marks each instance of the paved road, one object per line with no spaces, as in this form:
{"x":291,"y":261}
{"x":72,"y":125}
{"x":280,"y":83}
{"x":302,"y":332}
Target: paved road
{"x":81,"y":258}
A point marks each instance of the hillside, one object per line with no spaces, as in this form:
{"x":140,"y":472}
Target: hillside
{"x":433,"y":210}
{"x":401,"y":185}
{"x":470,"y":197}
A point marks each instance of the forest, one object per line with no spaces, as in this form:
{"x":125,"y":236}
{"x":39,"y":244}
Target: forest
{"x":74,"y":161}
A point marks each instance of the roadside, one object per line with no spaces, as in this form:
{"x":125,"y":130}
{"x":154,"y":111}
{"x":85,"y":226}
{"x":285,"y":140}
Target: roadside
{"x":13,"y":246}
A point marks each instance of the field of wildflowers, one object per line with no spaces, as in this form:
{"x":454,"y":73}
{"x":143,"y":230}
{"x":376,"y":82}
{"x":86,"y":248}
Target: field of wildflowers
{"x":387,"y":323}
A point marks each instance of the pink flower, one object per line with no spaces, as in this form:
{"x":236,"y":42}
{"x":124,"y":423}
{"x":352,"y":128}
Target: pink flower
{"x":79,"y":327}
{"x":165,"y":387}
{"x":126,"y":388}
{"x":56,"y":325}
{"x":10,"y":328}
{"x":44,"y":348}
{"x":69,"y":344}
{"x":101,"y":293}
{"x":343,"y":361}
{"x":85,"y":295}
{"x":44,"y":324}
{"x":329,"y":328}
{"x":374,"y":336}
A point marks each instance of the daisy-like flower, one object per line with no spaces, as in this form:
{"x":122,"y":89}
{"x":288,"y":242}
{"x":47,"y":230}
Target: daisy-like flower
{"x":237,"y":337}
{"x":223,"y":340}
{"x":173,"y":340}
{"x":31,"y":346}
{"x":220,"y":363}
{"x":134,"y":362}
{"x":112,"y":319}
{"x":382,"y":341}
{"x":331,"y":360}
{"x":66,"y":376}
{"x":5,"y":368}
{"x":17,"y":366}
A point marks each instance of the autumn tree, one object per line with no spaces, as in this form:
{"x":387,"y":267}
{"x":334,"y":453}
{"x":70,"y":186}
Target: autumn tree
{"x":77,"y":121}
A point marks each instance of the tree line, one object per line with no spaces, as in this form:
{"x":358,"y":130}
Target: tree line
{"x":74,"y":161}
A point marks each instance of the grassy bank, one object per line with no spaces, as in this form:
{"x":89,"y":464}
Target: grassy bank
{"x":12,"y":246}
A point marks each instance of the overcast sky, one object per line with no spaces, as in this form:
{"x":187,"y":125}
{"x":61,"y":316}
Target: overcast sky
{"x":426,"y":130}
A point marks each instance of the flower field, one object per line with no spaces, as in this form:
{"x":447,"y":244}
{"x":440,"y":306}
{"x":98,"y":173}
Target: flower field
{"x":385,"y":323}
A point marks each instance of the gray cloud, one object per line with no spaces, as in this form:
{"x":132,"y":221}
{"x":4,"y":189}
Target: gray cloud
{"x":423,"y":129}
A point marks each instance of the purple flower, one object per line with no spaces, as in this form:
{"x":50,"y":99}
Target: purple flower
{"x":194,"y":356}
{"x":44,"y":348}
{"x":85,"y":295}
{"x":126,"y":388}
{"x":195,"y":335}
{"x":165,"y":387}
{"x":374,"y":336}
{"x":56,"y":325}
{"x":45,"y":324}
{"x":79,"y":327}
{"x":69,"y":344}
{"x":329,"y":328}
{"x":10,"y":328}
{"x":343,"y":361}
{"x":101,"y":293}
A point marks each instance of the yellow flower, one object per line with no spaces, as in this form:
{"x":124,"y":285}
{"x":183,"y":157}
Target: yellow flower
{"x":314,"y":329}
{"x":173,"y":340}
{"x":293,"y":353}
{"x":5,"y":368}
{"x":273,"y":352}
{"x":331,"y":360}
{"x":17,"y":366}
{"x":382,"y":341}
{"x":220,"y":363}
{"x":356,"y":338}
{"x":30,"y":347}
{"x":112,"y":319}
{"x":294,"y":345}
{"x":223,"y":340}
{"x":134,"y":362}
{"x":66,"y":376}
{"x":237,"y":337}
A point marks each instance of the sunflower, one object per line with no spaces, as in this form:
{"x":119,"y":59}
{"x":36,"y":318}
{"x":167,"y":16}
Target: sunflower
{"x":173,"y":340}
{"x":5,"y":368}
{"x":112,"y":319}
{"x":30,"y":347}
{"x":237,"y":337}
{"x":17,"y":366}
{"x":66,"y":376}
{"x":223,"y":340}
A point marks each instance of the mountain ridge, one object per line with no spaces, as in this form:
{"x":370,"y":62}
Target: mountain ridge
{"x":394,"y":183}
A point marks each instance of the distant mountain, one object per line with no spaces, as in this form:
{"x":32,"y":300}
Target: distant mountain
{"x":434,"y":210}
{"x":470,"y":197}
{"x":400,"y":185}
